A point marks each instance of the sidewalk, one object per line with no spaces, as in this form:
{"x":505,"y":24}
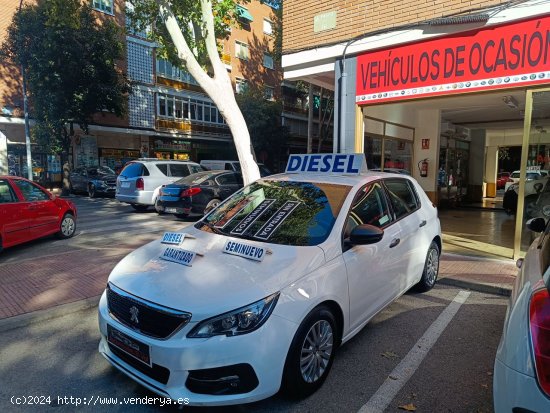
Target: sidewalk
{"x":38,"y":289}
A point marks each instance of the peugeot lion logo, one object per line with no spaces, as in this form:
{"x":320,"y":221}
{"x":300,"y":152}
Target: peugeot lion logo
{"x":134,"y":312}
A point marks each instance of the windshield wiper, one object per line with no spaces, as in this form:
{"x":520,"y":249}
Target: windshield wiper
{"x":214,"y":229}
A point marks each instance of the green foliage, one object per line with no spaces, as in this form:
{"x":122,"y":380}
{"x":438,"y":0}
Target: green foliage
{"x":69,"y":58}
{"x":144,"y":15}
{"x":263,"y":118}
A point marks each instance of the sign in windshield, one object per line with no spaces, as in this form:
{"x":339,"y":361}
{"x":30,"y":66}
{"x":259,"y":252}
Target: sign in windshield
{"x":279,"y":212}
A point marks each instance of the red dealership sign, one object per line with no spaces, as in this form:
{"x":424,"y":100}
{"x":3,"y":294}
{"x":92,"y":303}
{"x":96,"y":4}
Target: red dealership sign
{"x":502,"y":56}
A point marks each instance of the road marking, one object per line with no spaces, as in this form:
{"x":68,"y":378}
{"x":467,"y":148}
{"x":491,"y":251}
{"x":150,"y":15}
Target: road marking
{"x":407,"y":367}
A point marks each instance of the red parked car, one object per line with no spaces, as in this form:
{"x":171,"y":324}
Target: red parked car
{"x":502,"y":178}
{"x":28,"y":211}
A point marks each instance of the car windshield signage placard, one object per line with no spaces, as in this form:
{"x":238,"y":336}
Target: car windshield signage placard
{"x":179,"y":256}
{"x":172,"y":238}
{"x":332,"y":163}
{"x":268,"y":229}
{"x":247,"y":221}
{"x":244,"y":250}
{"x":495,"y":57}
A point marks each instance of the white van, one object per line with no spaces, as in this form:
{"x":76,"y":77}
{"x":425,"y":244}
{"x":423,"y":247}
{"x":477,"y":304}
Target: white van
{"x":235,"y":166}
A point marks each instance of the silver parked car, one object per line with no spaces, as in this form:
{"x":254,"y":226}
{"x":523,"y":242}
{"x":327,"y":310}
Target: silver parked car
{"x":521,"y":381}
{"x":138,"y":180}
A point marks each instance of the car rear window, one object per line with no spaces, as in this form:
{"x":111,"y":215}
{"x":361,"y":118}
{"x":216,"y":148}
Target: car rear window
{"x":133,"y":170}
{"x":279,"y":212}
{"x":197,"y":179}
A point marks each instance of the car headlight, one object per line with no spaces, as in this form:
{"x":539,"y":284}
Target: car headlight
{"x":240,"y":321}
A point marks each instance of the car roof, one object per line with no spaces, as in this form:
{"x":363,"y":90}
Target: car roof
{"x":338,"y":179}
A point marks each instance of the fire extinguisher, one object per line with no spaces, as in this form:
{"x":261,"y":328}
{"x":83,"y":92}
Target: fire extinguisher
{"x":423,"y":167}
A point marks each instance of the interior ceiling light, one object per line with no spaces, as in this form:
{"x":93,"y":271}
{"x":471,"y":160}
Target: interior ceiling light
{"x":467,"y":18}
{"x":510,"y":101}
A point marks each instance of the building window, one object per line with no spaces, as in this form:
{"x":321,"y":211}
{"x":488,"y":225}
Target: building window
{"x":186,"y":108}
{"x":268,"y":92}
{"x":240,"y":85}
{"x":103,"y":5}
{"x":268,"y":27}
{"x":268,"y":61}
{"x":141,"y":108}
{"x":168,"y":70}
{"x":241,"y":50}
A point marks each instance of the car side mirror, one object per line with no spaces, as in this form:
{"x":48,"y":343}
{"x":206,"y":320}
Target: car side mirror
{"x":365,"y":234}
{"x":536,"y":224}
{"x":538,"y":187}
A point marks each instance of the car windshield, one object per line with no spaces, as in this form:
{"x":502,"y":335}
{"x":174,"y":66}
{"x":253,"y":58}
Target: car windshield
{"x":279,"y":212}
{"x":197,"y":179}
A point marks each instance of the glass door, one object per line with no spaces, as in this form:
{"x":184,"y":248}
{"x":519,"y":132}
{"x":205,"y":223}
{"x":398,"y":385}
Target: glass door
{"x":534,"y":186}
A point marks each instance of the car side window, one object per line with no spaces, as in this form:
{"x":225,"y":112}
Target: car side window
{"x":370,"y":206}
{"x":31,"y":192}
{"x":179,"y":169}
{"x":6,"y":193}
{"x":402,"y":197}
{"x":163,"y":167}
{"x":226,"y":179}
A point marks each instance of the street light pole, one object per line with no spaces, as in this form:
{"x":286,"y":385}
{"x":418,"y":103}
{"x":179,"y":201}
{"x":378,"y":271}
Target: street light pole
{"x":26,"y":114}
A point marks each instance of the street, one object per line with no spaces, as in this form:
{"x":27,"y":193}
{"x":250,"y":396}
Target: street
{"x":101,"y":223}
{"x":58,"y":358}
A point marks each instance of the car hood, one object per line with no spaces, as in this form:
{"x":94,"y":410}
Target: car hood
{"x":216,"y":282}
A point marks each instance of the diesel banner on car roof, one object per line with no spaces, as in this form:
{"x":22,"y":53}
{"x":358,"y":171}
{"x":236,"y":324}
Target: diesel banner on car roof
{"x":501,"y":56}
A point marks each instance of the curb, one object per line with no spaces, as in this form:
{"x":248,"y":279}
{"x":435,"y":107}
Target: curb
{"x":482,"y":288}
{"x":33,"y":317}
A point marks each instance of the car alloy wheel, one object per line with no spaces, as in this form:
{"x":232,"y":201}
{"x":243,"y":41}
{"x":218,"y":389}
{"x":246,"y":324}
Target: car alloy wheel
{"x":431,"y":269}
{"x":311,"y":353}
{"x":316,"y":351}
{"x":67,"y":227}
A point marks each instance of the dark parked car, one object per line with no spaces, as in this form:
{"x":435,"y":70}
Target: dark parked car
{"x":198,"y":193}
{"x":28,"y":212}
{"x":94,"y":181}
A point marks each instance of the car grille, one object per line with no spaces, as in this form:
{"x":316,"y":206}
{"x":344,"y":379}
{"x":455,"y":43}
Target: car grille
{"x":143,"y":316}
{"x":111,"y":182}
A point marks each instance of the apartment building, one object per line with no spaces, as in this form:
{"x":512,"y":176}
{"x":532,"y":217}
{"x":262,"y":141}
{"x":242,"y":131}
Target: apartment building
{"x":430,"y":88}
{"x":169,"y":116}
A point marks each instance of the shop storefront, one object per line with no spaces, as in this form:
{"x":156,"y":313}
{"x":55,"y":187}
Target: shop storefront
{"x":401,"y":87}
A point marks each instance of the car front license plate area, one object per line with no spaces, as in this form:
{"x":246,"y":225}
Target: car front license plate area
{"x":135,"y":348}
{"x":171,"y":210}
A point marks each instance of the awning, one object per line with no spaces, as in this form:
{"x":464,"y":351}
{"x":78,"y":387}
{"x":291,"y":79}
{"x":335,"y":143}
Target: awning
{"x":244,"y":13}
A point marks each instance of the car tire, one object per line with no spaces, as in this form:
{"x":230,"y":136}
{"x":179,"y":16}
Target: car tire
{"x":1,"y":246}
{"x":431,"y":269}
{"x":140,"y":207}
{"x":211,"y":205}
{"x":67,"y":227}
{"x":91,"y":191}
{"x":181,"y":216}
{"x":157,"y":208}
{"x":311,"y":353}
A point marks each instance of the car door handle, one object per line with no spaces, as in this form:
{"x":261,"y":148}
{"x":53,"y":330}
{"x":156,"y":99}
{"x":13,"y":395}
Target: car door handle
{"x":395,"y":242}
{"x":422,"y":223}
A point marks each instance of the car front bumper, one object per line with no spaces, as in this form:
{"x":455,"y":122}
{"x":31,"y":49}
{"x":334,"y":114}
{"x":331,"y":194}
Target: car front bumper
{"x":515,"y":391}
{"x":265,"y":350}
